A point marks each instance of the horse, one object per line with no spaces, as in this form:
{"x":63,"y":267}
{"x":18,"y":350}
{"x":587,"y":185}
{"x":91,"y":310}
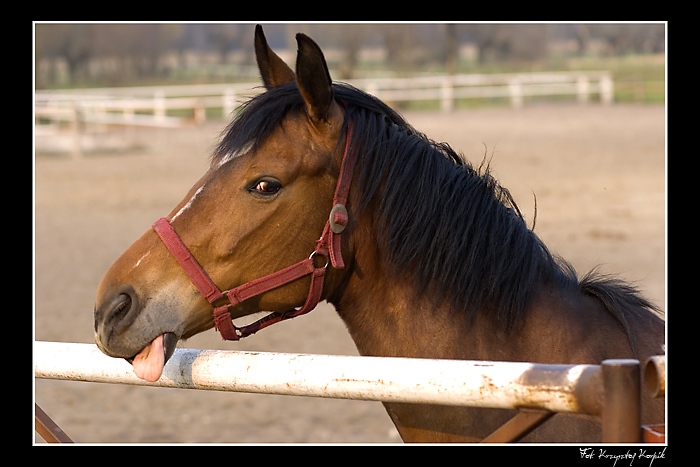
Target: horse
{"x":422,"y":254}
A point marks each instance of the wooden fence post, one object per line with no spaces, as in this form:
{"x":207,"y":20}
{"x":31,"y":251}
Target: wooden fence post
{"x":200,"y":113}
{"x":447,"y":94}
{"x":606,"y":89}
{"x":159,"y":105}
{"x":77,"y":151}
{"x":229,"y":102}
{"x":516,"y":93}
{"x":582,"y":89}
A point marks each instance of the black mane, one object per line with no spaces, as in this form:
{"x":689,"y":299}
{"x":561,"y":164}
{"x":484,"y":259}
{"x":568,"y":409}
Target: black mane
{"x":450,"y":227}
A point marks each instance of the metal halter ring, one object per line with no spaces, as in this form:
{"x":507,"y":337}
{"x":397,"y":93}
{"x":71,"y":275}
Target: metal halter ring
{"x":311,"y":257}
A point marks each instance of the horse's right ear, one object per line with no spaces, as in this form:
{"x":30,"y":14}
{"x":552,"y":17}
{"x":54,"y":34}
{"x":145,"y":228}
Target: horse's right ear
{"x":272,"y":68}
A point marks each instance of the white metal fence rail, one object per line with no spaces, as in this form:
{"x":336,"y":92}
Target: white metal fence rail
{"x":610,"y":390}
{"x":450,"y":382}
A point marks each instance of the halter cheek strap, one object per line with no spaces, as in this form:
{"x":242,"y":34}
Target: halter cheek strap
{"x":327,"y":246}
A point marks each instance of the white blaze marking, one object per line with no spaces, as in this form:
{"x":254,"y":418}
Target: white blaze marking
{"x":230,"y":156}
{"x":189,"y":203}
{"x":237,"y":153}
{"x":139,"y":261}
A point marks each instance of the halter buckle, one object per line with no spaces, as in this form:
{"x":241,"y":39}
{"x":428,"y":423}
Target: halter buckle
{"x":338,"y":218}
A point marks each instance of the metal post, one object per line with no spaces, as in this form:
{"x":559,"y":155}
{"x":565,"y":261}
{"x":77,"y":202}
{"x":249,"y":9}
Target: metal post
{"x":519,"y":426}
{"x":622,"y":408}
{"x":47,"y":428}
{"x":655,"y":376}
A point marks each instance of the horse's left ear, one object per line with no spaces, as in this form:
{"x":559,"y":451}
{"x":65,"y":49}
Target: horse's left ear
{"x":313,"y":79}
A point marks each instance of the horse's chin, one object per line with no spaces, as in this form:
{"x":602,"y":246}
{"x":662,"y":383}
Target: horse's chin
{"x":149,"y":362}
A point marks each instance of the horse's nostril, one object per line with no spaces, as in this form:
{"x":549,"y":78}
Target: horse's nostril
{"x":122,"y":306}
{"x":116,"y":312}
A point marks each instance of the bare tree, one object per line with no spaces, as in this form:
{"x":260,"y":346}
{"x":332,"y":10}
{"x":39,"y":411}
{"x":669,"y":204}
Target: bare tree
{"x":627,"y":38}
{"x":398,"y":40}
{"x":71,"y":42}
{"x":507,"y":42}
{"x":224,"y":37}
{"x":349,"y":39}
{"x":451,"y":48}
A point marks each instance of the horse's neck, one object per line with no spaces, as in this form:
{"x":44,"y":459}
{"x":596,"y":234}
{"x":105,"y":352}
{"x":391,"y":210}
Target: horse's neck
{"x":384,"y":321}
{"x":385,"y":318}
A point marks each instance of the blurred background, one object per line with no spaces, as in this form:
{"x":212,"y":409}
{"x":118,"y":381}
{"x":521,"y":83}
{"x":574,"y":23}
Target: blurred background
{"x":126,"y":116}
{"x":106,"y":55}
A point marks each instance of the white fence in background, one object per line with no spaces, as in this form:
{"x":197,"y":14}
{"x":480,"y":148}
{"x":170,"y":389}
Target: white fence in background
{"x":148,"y":106}
{"x":513,"y":86}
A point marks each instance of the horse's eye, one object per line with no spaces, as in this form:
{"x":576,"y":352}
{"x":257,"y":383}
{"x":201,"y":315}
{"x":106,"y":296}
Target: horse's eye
{"x":267,"y":187}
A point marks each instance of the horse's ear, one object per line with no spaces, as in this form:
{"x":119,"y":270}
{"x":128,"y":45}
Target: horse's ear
{"x":313,"y":78}
{"x":272,"y":68}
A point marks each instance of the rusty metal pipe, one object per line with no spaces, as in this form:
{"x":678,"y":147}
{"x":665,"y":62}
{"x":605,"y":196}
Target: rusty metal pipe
{"x":622,"y":407}
{"x":655,"y":376}
{"x":508,"y":385}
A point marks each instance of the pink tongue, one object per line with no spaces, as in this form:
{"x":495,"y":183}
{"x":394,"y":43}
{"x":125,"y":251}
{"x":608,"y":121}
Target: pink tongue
{"x":148,"y":364}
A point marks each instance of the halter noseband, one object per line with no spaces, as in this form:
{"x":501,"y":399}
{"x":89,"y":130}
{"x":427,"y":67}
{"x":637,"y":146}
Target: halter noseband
{"x":328,"y":245}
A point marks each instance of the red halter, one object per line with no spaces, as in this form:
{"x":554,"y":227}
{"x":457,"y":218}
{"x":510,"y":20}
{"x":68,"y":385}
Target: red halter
{"x":328,"y":245}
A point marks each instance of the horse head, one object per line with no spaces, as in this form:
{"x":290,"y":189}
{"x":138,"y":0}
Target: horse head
{"x":260,"y":207}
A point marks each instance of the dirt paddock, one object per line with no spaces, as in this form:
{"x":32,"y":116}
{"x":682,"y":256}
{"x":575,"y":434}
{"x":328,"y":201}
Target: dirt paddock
{"x":598,"y":174}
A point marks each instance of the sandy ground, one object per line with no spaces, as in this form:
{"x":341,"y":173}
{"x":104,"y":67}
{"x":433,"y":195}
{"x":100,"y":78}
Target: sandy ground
{"x":598,"y":174}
